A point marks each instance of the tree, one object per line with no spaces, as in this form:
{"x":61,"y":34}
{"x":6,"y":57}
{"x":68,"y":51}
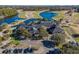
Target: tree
{"x":58,"y":38}
{"x":26,"y":33}
{"x":70,"y":49}
{"x":1,"y":39}
{"x":43,"y":32}
{"x":14,"y":41}
{"x":36,"y":37}
{"x":7,"y":12}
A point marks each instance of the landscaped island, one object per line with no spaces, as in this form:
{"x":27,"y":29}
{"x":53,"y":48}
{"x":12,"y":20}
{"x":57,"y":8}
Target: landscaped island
{"x":42,"y":30}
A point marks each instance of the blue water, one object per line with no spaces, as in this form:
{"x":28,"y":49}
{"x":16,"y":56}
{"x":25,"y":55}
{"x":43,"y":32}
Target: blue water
{"x":10,"y":20}
{"x":48,"y":15}
{"x":30,"y":20}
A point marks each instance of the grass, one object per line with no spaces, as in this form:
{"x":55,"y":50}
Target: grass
{"x":14,"y":41}
{"x":36,"y":47}
{"x":22,"y":15}
{"x":76,"y":16}
{"x":60,"y":15}
{"x":77,"y":39}
{"x":68,"y":30}
{"x":60,"y":45}
{"x":75,"y":29}
{"x":36,"y":14}
{"x":1,"y":39}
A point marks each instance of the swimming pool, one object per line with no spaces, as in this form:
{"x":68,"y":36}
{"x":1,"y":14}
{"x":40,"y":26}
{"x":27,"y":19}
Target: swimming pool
{"x":48,"y":15}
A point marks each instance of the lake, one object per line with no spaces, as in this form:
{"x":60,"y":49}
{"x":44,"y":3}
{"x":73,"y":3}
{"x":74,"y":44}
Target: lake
{"x":10,"y":20}
{"x":48,"y":15}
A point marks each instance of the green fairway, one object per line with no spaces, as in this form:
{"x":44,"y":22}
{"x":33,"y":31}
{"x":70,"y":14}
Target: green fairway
{"x":77,"y":39}
{"x":60,"y":15}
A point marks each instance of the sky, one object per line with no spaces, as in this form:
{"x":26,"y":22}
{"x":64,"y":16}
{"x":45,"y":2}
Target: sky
{"x":39,"y":2}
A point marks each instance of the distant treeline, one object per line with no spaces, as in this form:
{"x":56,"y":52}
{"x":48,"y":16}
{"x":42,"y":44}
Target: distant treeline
{"x":42,"y":7}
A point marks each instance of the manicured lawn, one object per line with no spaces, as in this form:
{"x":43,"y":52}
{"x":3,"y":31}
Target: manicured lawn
{"x":77,"y":39}
{"x":75,"y":17}
{"x":68,"y":30}
{"x":60,"y":15}
{"x":36,"y":14}
{"x":60,"y":46}
{"x":22,"y":15}
{"x":75,"y":29}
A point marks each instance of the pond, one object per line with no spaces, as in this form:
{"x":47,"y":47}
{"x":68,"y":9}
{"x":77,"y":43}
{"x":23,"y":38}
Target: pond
{"x":10,"y":20}
{"x":30,"y":21}
{"x":48,"y":15}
